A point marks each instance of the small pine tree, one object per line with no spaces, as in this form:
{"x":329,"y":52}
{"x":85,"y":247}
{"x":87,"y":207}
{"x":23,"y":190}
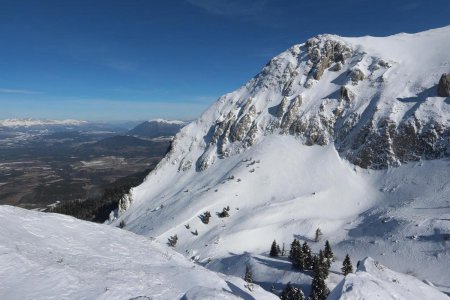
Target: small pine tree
{"x":347,"y":267}
{"x":248,"y":277}
{"x":328,"y":253}
{"x":308,"y":258}
{"x":274,"y":249}
{"x":122,"y":224}
{"x":205,"y":217}
{"x":318,"y":235}
{"x":224,"y":213}
{"x":296,"y":255}
{"x":295,"y":243}
{"x":194,"y":232}
{"x":283,"y":251}
{"x":172,"y":241}
{"x":320,"y":264}
{"x":319,"y":289}
{"x":292,"y":293}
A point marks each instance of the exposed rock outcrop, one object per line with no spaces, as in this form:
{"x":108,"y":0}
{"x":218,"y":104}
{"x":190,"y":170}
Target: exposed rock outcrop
{"x":356,"y":75}
{"x":322,"y":53}
{"x":124,"y":203}
{"x":291,"y":96}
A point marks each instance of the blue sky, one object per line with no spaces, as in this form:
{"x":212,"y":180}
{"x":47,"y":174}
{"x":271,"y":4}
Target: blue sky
{"x":141,"y":59}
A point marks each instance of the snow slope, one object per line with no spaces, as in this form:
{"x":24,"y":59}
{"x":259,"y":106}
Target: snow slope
{"x":399,"y":216}
{"x":374,"y":281}
{"x":50,"y":256}
{"x":345,"y":134}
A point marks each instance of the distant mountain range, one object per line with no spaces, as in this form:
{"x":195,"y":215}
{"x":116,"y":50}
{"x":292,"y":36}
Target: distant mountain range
{"x":36,"y":122}
{"x":157,"y":128}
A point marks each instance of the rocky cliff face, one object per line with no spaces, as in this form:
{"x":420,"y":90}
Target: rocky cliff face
{"x":381,"y":101}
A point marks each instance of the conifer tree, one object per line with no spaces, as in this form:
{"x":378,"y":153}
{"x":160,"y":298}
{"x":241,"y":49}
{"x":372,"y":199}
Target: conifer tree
{"x":205,"y":217}
{"x":347,"y":267}
{"x":308,"y":259}
{"x":292,"y":293}
{"x":319,"y":289}
{"x":223,"y":214}
{"x":274,"y":249}
{"x":318,"y":235}
{"x":320,"y":264}
{"x":122,"y":224}
{"x":248,"y":277}
{"x":296,"y":255}
{"x":329,"y":255}
{"x":298,"y":260}
{"x":172,"y":241}
{"x":294,"y":245}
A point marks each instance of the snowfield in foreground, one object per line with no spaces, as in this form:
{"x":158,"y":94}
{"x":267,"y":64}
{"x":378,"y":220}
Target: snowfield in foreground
{"x":50,"y":256}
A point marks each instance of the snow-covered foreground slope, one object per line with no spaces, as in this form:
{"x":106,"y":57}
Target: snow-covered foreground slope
{"x":373,"y":281}
{"x":347,"y":134}
{"x":49,"y":256}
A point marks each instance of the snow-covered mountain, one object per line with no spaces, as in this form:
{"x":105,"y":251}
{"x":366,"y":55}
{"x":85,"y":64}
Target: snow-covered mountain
{"x":49,"y":256}
{"x":374,"y":281}
{"x":347,"y":134}
{"x":157,"y":128}
{"x":14,"y":123}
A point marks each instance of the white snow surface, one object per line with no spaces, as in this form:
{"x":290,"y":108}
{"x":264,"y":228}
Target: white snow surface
{"x":50,"y":256}
{"x":35,"y":122}
{"x":373,"y":281}
{"x":278,"y":188}
{"x":178,"y":122}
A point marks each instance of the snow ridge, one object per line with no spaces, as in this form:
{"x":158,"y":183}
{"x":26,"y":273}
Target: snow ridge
{"x":374,"y":281}
{"x":178,"y":122}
